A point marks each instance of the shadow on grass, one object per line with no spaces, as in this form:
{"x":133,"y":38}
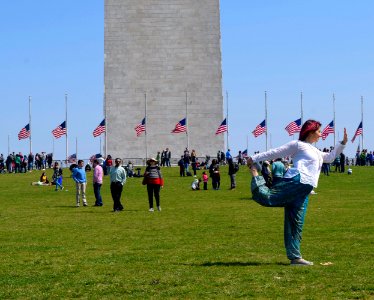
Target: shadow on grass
{"x":238,"y":263}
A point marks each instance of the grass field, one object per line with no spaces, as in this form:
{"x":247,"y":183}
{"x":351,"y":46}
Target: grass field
{"x":204,"y":244}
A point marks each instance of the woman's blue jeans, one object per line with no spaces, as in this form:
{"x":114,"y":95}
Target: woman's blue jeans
{"x":291,"y":194}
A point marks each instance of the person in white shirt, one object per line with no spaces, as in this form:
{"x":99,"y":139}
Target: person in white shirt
{"x":292,"y":192}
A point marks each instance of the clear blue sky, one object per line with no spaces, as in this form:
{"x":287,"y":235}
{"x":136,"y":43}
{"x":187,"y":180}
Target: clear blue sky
{"x":282,"y":47}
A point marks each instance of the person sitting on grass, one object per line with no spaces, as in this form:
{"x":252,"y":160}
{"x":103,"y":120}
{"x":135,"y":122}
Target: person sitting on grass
{"x":42,"y":181}
{"x":196,"y":184}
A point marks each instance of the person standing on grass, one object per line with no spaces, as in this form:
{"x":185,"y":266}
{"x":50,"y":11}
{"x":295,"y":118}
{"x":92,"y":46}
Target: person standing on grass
{"x":277,"y":170}
{"x":117,"y":180}
{"x":205,"y":180}
{"x":153,"y":179}
{"x":233,"y":169}
{"x":97,"y":181}
{"x":79,"y":176}
{"x":57,"y":176}
{"x":292,"y":192}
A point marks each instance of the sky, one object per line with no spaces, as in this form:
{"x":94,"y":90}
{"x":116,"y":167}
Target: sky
{"x":317,"y":48}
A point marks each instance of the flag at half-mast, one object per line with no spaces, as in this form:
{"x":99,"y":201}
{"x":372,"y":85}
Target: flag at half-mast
{"x":99,"y":129}
{"x":180,"y":126}
{"x":358,"y":132}
{"x":260,"y":129}
{"x":140,"y":128}
{"x":293,"y":127}
{"x":25,"y":132}
{"x":60,"y":130}
{"x":222,"y":128}
{"x":328,"y":129}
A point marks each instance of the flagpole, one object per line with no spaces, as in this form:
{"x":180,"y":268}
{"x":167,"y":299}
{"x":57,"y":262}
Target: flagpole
{"x":188,"y":142}
{"x":66,"y":126}
{"x":301,"y":100}
{"x":362,"y":122}
{"x":53,"y":147}
{"x":266,"y":121}
{"x":100,"y":145}
{"x":146,"y":124}
{"x":106,"y":126}
{"x":8,"y":144}
{"x":30,"y":124}
{"x":76,"y":149}
{"x":227,"y":119}
{"x":333,"y":104}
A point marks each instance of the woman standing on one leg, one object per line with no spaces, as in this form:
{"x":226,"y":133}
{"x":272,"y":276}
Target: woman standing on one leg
{"x":292,"y":192}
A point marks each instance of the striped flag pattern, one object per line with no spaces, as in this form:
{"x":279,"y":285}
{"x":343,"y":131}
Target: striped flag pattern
{"x":358,"y":132}
{"x":222,"y":128}
{"x":140,"y":128}
{"x":60,"y":130}
{"x":180,"y":126}
{"x":99,"y":129}
{"x":260,"y":129}
{"x":328,"y":129}
{"x":293,"y":127}
{"x":25,"y":132}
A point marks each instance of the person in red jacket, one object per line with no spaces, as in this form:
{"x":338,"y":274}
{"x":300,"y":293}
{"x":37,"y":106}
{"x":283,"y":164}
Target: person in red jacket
{"x":154,"y":181}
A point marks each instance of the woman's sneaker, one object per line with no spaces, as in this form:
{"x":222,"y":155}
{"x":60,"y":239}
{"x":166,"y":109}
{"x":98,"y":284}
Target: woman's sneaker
{"x":301,"y":262}
{"x":151,"y":210}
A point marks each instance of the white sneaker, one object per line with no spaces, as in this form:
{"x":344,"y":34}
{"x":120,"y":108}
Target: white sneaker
{"x":159,"y":208}
{"x":301,"y":262}
{"x":151,"y":210}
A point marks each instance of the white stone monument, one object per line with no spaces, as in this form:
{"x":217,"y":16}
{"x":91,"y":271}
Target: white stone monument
{"x":162,"y":61}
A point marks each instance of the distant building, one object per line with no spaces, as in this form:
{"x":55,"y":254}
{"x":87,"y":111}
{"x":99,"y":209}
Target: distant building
{"x":169,"y":53}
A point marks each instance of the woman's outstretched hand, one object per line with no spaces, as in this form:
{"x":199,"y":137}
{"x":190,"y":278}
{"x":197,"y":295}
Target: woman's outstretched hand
{"x":345,"y":138}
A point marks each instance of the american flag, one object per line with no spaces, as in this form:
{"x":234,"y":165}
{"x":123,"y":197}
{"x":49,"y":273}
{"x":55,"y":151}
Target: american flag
{"x":180,"y":127}
{"x":245,"y":153}
{"x":25,"y":132}
{"x":222,"y":128}
{"x":358,"y":132}
{"x":99,"y":129}
{"x":328,"y":129}
{"x":260,"y":129}
{"x":72,"y":158}
{"x":140,"y":128}
{"x":60,"y":130}
{"x":293,"y":127}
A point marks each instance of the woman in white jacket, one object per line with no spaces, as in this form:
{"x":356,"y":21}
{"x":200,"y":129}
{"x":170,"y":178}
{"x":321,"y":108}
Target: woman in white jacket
{"x":293,"y":190}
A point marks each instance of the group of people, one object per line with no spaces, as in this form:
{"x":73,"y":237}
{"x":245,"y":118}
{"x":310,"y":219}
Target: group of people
{"x":364,"y":158}
{"x":118,"y":176}
{"x":164,"y":158}
{"x":290,"y":185}
{"x":19,"y":163}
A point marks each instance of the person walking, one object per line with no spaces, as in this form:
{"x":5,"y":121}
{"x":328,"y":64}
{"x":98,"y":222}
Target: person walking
{"x":57,"y":176}
{"x":97,"y":181}
{"x":292,"y":193}
{"x":154,"y":181}
{"x":79,"y":176}
{"x":117,"y":180}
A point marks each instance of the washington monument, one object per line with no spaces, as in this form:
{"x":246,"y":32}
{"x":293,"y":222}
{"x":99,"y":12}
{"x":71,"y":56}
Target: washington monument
{"x":162,"y":63}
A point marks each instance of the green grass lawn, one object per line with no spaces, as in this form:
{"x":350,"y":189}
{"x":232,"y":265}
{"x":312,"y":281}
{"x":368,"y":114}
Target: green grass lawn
{"x":204,"y":244}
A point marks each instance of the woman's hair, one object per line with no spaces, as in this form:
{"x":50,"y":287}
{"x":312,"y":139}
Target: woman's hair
{"x":307,"y":128}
